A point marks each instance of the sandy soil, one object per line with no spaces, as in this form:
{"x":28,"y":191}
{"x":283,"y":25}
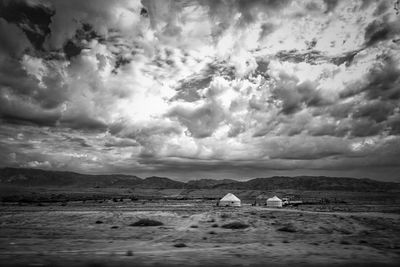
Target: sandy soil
{"x":69,"y":235}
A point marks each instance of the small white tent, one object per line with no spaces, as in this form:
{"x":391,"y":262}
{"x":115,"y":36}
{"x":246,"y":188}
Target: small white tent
{"x":274,"y":202}
{"x":229,"y":200}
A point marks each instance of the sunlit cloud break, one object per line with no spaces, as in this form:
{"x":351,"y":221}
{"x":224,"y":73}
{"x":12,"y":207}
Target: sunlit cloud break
{"x":201,"y":89}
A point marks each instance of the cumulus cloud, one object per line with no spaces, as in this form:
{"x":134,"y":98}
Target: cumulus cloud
{"x":29,"y":17}
{"x":229,"y":88}
{"x":379,"y":30}
{"x":12,"y":39}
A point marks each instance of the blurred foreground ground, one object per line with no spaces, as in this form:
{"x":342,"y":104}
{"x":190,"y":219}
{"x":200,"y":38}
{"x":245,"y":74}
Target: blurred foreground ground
{"x":98,"y":234}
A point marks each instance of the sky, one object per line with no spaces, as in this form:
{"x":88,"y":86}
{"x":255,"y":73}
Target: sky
{"x":201,"y":89}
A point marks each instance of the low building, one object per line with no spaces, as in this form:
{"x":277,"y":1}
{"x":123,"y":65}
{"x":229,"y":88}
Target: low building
{"x":274,"y":202}
{"x":229,"y":200}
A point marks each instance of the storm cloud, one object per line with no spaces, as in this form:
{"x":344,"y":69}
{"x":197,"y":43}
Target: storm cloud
{"x":223,"y":89}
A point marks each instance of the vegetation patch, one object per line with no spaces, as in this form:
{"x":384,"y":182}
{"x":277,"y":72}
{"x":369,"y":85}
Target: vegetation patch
{"x":194,"y":226}
{"x":287,"y":228}
{"x":343,"y":230}
{"x":98,"y":222}
{"x":214,"y":225}
{"x":235,"y":225}
{"x":180,"y":245}
{"x":225,"y":215}
{"x":146,"y":222}
{"x":129,"y":253}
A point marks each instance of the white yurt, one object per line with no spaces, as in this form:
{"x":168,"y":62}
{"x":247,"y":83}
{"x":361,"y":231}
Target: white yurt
{"x":274,"y":202}
{"x":229,"y":200}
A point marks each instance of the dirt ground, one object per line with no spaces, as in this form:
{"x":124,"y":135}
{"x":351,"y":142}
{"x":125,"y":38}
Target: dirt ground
{"x":98,"y":234}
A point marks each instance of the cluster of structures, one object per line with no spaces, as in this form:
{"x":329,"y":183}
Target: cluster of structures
{"x":230,"y":200}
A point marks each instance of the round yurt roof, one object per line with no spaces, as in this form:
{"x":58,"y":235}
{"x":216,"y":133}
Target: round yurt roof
{"x":230,"y":197}
{"x":275,"y":198}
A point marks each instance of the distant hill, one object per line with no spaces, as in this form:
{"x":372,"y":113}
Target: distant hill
{"x":208,"y":183}
{"x":36,"y":177}
{"x":160,"y":183}
{"x":312,"y":183}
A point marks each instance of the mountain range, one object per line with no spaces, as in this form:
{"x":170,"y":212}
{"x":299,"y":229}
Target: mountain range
{"x":44,"y":178}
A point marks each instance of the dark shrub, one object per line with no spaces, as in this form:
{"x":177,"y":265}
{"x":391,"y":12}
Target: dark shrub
{"x":194,"y":226}
{"x":114,"y":227}
{"x":287,"y":228}
{"x":344,"y":231}
{"x":146,"y":222}
{"x":365,"y":232}
{"x":235,"y":225}
{"x":129,"y":253}
{"x":180,"y":245}
{"x":212,"y":233}
{"x":99,"y":222}
{"x":214,"y":225}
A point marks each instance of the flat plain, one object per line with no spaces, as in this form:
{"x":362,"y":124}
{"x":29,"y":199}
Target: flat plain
{"x":196,"y":232}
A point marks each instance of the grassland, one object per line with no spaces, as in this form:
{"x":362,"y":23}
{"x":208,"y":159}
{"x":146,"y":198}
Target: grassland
{"x":194,"y":232}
